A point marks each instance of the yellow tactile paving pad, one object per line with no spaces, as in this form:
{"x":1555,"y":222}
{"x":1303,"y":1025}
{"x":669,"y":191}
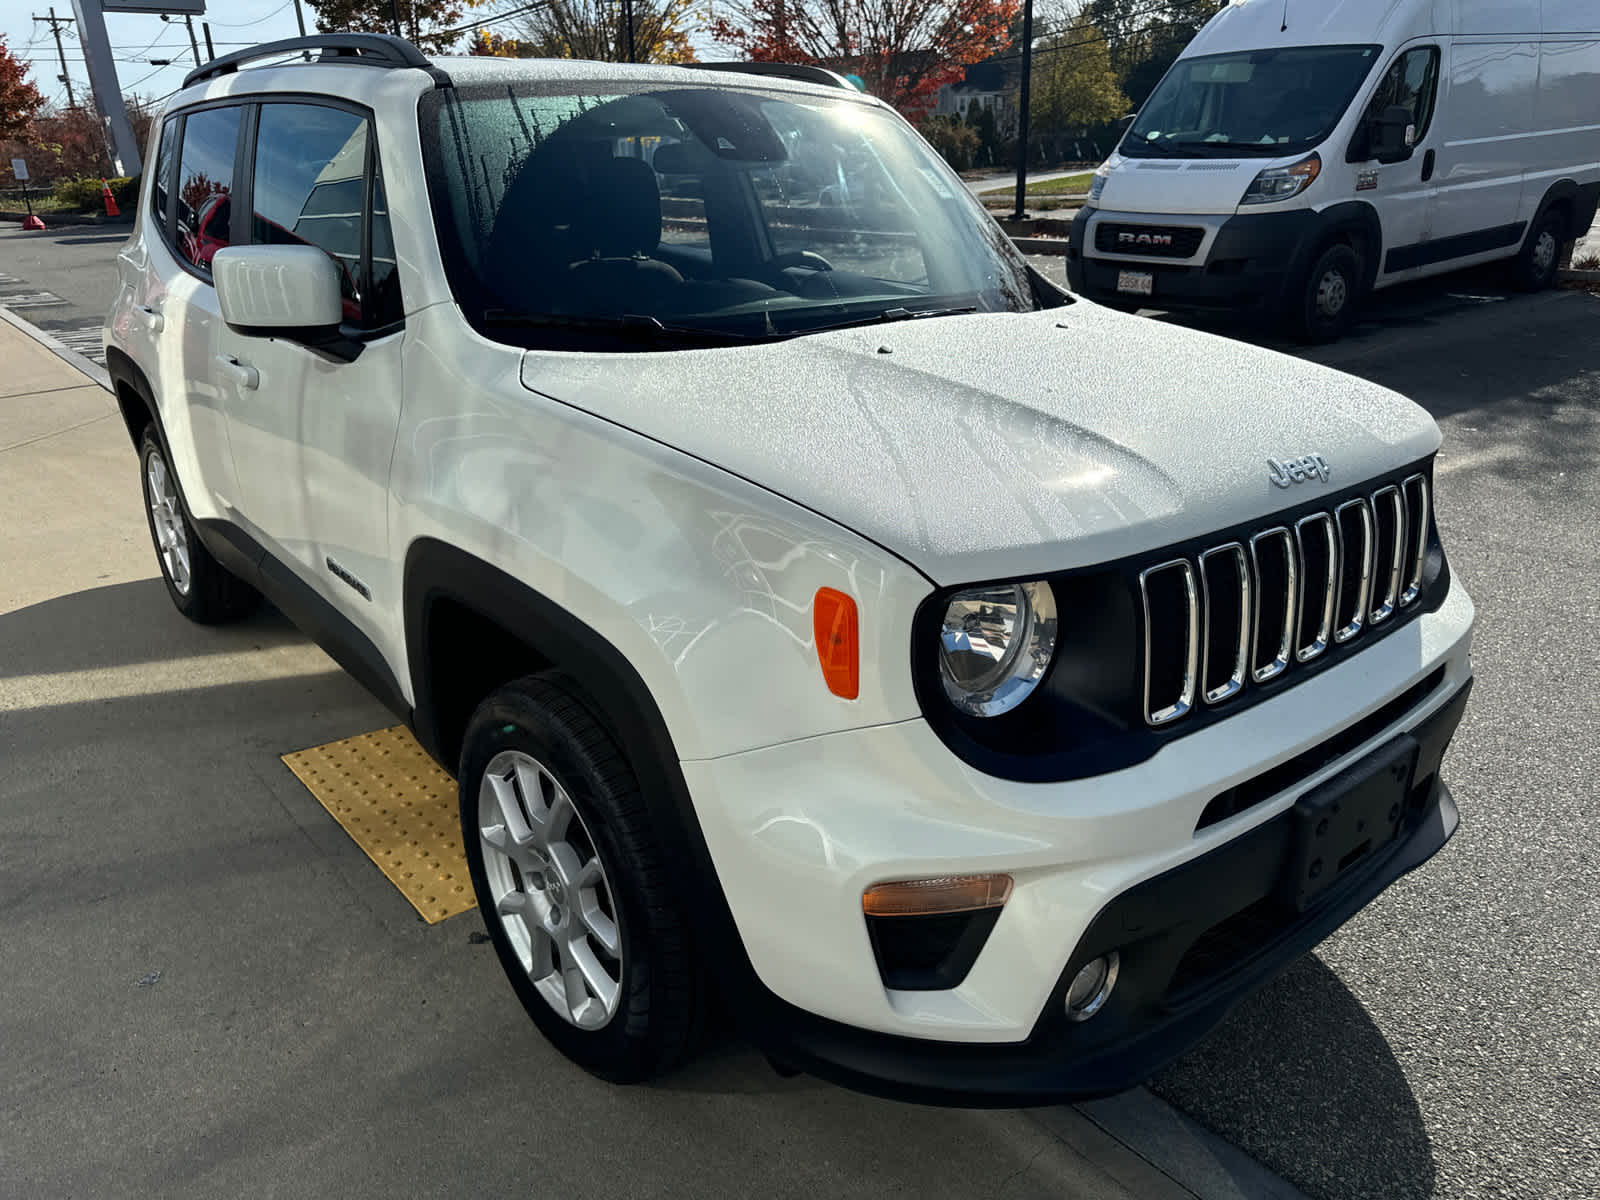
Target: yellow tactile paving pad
{"x":400,"y":808}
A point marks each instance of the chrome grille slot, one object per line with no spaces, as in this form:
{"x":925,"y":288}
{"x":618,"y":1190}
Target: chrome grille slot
{"x":1277,"y":602}
{"x":1317,"y":539}
{"x":1171,"y":640}
{"x":1225,"y":621}
{"x":1354,"y":519}
{"x":1417,"y":503}
{"x":1389,"y":553}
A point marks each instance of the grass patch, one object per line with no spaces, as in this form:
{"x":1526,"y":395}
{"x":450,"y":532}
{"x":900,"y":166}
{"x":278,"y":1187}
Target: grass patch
{"x":1065,"y":186}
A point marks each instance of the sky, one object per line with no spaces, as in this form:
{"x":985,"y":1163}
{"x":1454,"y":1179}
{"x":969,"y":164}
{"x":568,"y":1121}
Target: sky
{"x":137,"y":39}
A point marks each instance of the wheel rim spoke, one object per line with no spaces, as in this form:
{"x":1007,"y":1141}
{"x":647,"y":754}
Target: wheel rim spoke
{"x":548,"y":890}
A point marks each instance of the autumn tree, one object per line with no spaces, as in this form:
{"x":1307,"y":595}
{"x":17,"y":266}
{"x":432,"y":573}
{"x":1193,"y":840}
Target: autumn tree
{"x":594,"y":29}
{"x":431,"y":25}
{"x":1074,"y":85}
{"x":19,"y":99}
{"x":905,"y":50}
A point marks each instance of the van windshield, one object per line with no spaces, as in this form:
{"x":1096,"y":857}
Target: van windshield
{"x":1259,"y":102}
{"x":672,"y":216}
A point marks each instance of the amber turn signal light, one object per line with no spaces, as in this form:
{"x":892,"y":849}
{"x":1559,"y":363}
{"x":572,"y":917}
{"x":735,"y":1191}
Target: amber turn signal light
{"x":925,"y":897}
{"x":833,"y":616}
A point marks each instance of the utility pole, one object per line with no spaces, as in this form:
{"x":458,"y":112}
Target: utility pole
{"x":1022,"y":116}
{"x":299,"y":18}
{"x":394,"y":15}
{"x":55,"y":24}
{"x":188,"y":23}
{"x":627,"y":20}
{"x":211,"y":51}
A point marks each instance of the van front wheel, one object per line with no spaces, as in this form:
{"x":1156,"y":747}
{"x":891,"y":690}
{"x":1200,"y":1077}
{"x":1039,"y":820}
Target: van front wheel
{"x":1328,"y":296}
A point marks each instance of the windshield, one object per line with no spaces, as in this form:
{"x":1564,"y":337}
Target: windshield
{"x":725,"y":212}
{"x":1262,"y":102}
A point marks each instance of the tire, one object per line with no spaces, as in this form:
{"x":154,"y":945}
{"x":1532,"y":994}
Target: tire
{"x":1540,"y":257}
{"x":573,"y":884}
{"x":1325,"y":307}
{"x":201,"y":588}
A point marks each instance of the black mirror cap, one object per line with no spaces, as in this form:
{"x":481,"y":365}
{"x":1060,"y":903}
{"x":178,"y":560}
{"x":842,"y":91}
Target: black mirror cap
{"x":332,"y":342}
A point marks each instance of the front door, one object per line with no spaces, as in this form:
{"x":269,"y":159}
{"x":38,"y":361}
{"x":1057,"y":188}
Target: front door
{"x":1401,"y":183}
{"x":313,"y":437}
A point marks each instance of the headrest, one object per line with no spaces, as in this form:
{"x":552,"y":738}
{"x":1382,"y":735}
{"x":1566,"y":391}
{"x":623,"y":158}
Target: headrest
{"x":683,"y":158}
{"x":621,"y":215}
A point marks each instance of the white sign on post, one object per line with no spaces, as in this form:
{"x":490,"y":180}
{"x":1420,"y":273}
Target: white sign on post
{"x":19,"y":168}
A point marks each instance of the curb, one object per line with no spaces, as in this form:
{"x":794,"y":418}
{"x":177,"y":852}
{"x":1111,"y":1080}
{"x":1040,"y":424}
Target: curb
{"x":71,"y":357}
{"x":66,"y":218}
{"x":1570,"y":275}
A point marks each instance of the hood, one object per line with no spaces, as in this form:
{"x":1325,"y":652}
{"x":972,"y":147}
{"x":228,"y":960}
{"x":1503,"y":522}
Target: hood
{"x":1003,"y":445}
{"x":1180,"y":185}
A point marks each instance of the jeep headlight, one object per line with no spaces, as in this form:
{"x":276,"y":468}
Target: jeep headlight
{"x":1279,"y":183}
{"x":995,"y":645}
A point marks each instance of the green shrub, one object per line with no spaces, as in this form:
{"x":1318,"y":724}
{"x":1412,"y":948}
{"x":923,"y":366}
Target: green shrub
{"x":953,"y":138}
{"x":84,"y":195}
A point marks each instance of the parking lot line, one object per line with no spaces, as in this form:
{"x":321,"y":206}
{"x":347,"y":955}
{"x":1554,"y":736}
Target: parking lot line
{"x":400,"y":808}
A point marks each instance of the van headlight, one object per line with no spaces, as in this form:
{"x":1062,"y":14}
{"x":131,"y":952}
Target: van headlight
{"x":1279,"y":183}
{"x":1098,"y":183}
{"x":995,"y":646}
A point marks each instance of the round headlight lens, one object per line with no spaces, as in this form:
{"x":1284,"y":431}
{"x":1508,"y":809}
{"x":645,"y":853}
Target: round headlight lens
{"x":995,"y":646}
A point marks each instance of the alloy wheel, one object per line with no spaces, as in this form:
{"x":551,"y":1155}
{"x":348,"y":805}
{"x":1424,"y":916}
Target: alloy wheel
{"x":549,"y":889}
{"x":166,"y":512}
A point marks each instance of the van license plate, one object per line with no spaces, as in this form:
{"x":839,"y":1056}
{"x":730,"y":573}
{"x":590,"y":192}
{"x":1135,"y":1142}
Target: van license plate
{"x":1136,"y":283}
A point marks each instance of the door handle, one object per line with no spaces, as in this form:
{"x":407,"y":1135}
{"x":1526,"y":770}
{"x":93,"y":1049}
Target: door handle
{"x":1427,"y":166}
{"x":152,"y":318}
{"x":243,"y":374}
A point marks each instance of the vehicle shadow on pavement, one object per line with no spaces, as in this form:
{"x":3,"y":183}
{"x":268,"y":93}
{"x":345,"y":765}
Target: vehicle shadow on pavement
{"x":123,"y":624}
{"x":1311,"y":1089}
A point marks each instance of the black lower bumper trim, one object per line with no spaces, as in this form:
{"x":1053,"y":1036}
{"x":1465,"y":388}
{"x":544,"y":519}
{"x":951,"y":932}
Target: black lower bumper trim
{"x":1162,"y":1004}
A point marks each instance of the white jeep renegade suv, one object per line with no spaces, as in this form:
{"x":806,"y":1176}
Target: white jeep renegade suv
{"x":976,"y":690}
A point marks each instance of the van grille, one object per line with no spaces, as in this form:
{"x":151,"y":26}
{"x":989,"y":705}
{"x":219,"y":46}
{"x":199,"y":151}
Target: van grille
{"x":1155,"y":241}
{"x":1246,"y":612}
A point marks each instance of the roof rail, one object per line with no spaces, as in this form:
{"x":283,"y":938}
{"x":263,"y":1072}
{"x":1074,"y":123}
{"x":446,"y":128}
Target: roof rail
{"x":804,"y":72}
{"x":364,"y":49}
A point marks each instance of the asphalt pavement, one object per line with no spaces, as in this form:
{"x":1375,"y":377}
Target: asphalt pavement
{"x":208,"y":990}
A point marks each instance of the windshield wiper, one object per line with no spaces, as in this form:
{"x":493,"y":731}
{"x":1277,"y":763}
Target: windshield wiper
{"x":633,"y":325}
{"x":888,"y":315}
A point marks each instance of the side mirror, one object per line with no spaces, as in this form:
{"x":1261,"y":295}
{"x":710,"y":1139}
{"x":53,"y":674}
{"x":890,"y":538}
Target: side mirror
{"x":290,"y":292}
{"x":1392,"y":134}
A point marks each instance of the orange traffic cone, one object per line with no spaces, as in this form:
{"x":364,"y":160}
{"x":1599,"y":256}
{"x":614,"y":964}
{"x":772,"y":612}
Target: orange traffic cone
{"x":111,"y":201}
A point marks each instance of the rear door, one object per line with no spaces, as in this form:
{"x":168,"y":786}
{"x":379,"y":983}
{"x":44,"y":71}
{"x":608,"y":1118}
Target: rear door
{"x":314,"y":437}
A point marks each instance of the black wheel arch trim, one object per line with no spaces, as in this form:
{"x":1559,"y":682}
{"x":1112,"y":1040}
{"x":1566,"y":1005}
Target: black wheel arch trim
{"x":1580,"y":199}
{"x":618,"y":697}
{"x":1350,"y":216}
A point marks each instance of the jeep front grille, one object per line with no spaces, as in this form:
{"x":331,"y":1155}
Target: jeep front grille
{"x":1244,"y":613}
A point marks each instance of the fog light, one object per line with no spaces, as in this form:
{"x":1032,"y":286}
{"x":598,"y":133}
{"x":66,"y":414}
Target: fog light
{"x":1091,"y":986}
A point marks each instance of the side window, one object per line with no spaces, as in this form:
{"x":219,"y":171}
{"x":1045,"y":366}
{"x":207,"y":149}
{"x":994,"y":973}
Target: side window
{"x":205,"y":183}
{"x":163,"y":182}
{"x":1411,"y":84}
{"x":310,"y":188}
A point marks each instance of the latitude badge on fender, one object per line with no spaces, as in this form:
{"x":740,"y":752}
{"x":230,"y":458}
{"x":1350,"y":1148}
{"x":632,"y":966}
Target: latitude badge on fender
{"x":1298,"y":470}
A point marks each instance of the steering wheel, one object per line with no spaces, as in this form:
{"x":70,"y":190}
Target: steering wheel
{"x":809,"y":259}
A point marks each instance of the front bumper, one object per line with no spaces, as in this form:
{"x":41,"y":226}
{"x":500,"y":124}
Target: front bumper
{"x":796,"y":832}
{"x":1246,"y":263}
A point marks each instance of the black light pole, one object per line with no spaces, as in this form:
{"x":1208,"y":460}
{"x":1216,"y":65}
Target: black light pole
{"x":627,"y":19}
{"x":394,"y":15}
{"x":1022,"y":117}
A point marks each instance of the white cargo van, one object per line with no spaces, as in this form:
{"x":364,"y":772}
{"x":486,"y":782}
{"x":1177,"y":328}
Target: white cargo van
{"x":1303,"y":152}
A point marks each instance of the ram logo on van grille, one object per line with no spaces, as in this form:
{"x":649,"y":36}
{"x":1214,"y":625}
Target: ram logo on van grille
{"x":1157,"y":241}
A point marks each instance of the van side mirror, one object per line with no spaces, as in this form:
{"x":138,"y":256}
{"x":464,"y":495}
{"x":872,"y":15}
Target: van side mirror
{"x":1392,"y":134}
{"x":288,"y":292}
